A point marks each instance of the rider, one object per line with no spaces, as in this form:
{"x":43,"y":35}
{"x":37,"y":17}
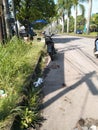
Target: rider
{"x":96,"y":44}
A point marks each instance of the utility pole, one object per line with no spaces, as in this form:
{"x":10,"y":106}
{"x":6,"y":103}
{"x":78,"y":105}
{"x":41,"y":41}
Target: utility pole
{"x":7,"y":17}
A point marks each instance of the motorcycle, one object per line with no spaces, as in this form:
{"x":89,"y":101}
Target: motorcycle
{"x":50,"y":46}
{"x":96,"y":48}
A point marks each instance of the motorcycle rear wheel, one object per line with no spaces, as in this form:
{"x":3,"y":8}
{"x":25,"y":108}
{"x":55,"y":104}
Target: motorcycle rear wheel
{"x":51,"y":56}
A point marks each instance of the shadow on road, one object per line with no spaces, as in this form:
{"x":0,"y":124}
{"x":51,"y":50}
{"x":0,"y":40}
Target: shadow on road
{"x":64,"y":40}
{"x":56,"y":76}
{"x":85,"y":79}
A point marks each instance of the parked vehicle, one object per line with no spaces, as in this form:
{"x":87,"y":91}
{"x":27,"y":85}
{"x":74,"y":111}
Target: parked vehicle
{"x":23,"y":33}
{"x":27,"y":33}
{"x":96,"y":48}
{"x":50,"y":45}
{"x":79,"y":31}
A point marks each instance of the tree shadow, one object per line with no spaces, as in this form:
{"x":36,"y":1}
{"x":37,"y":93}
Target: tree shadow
{"x":64,"y":40}
{"x":85,"y":79}
{"x":57,"y":76}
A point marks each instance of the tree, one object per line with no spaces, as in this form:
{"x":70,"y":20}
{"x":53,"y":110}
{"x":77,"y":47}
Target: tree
{"x":71,"y":24}
{"x":30,"y":10}
{"x":68,"y":5}
{"x":80,"y":22}
{"x":94,"y":22}
{"x":65,"y":8}
{"x":76,"y":4}
{"x":61,"y":13}
{"x":7,"y":17}
{"x":89,"y":13}
{"x":14,"y":14}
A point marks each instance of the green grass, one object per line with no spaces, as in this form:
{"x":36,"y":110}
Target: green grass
{"x":91,"y":35}
{"x":17,"y":62}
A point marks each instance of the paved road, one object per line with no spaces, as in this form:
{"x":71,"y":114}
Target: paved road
{"x":76,"y":66}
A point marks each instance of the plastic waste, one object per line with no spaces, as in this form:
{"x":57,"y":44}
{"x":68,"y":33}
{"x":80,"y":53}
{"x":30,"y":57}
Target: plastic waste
{"x":2,"y":93}
{"x":96,"y":52}
{"x":93,"y":127}
{"x":38,"y":82}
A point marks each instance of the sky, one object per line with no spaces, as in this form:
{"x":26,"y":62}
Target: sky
{"x":94,"y":7}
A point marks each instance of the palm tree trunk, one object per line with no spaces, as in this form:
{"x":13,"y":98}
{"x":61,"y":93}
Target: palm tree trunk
{"x":89,"y":16}
{"x":67,"y":23}
{"x":63,"y":23}
{"x":75,"y":24}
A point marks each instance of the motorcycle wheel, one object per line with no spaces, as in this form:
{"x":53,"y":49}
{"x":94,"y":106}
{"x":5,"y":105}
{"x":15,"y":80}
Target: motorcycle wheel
{"x":51,"y":56}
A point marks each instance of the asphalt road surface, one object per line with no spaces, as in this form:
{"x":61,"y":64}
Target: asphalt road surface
{"x":76,"y":66}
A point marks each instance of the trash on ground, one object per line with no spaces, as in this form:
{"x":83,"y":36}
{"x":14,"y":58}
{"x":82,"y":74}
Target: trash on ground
{"x":87,"y":124}
{"x":2,"y":93}
{"x":93,"y":127}
{"x":38,"y":82}
{"x":96,"y":52}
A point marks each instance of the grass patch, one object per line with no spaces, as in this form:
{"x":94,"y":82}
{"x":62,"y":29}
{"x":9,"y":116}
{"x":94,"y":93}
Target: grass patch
{"x":17,"y":62}
{"x":91,"y":35}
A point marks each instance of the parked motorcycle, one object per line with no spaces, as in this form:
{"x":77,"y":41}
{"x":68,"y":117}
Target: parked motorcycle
{"x":96,"y":48}
{"x":50,"y":46}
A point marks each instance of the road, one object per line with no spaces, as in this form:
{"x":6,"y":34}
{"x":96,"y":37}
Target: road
{"x":76,"y":66}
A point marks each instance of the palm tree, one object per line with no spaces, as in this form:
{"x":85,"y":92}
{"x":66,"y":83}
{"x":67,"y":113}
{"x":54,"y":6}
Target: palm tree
{"x":68,"y":5}
{"x":89,"y":13}
{"x":60,"y":10}
{"x":76,"y":4}
{"x":65,"y":8}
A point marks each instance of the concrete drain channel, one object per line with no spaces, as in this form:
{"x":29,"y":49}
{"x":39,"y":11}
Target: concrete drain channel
{"x":87,"y":124}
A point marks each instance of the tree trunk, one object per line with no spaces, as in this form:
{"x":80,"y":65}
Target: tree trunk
{"x":63,"y":23}
{"x":67,"y":23}
{"x":89,"y":16}
{"x":7,"y":17}
{"x":75,"y":23}
{"x":14,"y":14}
